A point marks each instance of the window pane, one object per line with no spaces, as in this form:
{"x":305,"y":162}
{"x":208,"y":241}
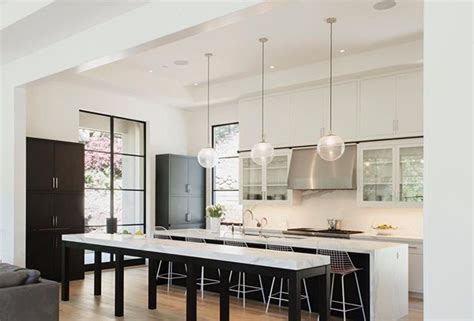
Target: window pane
{"x":96,"y":170}
{"x":129,"y":137}
{"x":227,"y":174}
{"x":230,"y":200}
{"x":96,"y":207}
{"x":129,"y":207}
{"x":128,"y":172}
{"x":94,"y":131}
{"x":226,"y":140}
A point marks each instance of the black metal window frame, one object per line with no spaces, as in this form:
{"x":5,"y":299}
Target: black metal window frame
{"x":213,"y":176}
{"x":112,"y":187}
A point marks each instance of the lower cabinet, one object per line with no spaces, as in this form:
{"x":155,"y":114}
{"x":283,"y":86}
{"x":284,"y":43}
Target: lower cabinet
{"x":415,"y":268}
{"x":44,"y":254}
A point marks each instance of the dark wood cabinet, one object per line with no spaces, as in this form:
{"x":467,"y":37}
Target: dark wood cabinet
{"x":180,"y":192}
{"x":54,"y":204}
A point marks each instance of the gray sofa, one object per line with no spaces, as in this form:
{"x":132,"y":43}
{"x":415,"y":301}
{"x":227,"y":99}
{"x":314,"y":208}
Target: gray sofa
{"x":24,"y":296}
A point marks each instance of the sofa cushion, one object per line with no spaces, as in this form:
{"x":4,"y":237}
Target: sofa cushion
{"x":9,"y":279}
{"x":33,"y":275}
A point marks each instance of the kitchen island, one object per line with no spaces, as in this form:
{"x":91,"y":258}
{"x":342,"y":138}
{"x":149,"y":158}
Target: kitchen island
{"x":384,"y":278}
{"x":291,"y":266}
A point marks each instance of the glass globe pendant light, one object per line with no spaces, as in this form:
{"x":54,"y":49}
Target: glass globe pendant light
{"x":207,"y":157}
{"x":330,"y":147}
{"x":262,"y":152}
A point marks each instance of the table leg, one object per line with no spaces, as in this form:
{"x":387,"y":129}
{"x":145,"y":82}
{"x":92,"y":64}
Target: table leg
{"x":152,"y":270}
{"x":65,"y":273}
{"x":97,"y":273}
{"x":119,"y":266}
{"x":294,"y":297}
{"x":191,"y":308}
{"x":323,"y":295}
{"x":224,"y":295}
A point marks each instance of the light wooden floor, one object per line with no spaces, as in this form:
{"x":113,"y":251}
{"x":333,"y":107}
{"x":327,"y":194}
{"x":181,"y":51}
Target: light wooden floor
{"x":84,"y":306}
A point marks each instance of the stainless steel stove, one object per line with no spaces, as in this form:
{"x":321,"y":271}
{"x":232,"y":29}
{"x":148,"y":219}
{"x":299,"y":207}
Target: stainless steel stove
{"x":342,"y":234}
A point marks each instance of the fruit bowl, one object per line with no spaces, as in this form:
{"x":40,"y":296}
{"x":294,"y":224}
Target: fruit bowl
{"x":384,"y":229}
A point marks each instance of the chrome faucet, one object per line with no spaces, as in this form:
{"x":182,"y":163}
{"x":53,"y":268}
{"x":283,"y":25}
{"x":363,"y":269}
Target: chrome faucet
{"x":260,"y":224}
{"x":243,"y":219}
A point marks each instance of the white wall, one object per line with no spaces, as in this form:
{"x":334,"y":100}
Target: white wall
{"x":53,"y":113}
{"x":448,"y":121}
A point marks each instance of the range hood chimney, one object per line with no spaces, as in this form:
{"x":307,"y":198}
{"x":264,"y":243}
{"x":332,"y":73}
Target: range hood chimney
{"x":308,"y":171}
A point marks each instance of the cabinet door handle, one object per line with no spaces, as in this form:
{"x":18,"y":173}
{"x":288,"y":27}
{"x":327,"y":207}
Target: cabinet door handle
{"x":57,"y":183}
{"x":52,"y":218}
{"x":187,"y":217}
{"x":412,"y":247}
{"x":54,"y":183}
{"x":188,"y":188}
{"x":56,"y":221}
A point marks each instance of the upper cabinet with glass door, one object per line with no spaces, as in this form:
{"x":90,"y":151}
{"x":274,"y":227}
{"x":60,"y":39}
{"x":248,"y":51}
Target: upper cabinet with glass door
{"x":265,"y":183}
{"x":390,"y":174}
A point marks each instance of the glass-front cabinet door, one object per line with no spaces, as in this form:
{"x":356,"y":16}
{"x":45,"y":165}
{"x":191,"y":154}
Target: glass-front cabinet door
{"x":251,"y":180}
{"x":377,"y":175}
{"x":265,"y":183}
{"x":410,"y":185}
{"x":390,"y":174}
{"x":277,"y":179}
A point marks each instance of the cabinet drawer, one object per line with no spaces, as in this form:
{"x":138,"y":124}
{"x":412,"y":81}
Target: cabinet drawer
{"x":415,"y":248}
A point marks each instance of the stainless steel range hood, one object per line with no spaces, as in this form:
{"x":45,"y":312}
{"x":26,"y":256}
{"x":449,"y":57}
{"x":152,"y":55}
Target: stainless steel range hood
{"x":308,"y":171}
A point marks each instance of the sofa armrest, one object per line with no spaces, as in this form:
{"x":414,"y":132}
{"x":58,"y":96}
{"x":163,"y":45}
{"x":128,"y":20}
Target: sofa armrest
{"x":39,"y":302}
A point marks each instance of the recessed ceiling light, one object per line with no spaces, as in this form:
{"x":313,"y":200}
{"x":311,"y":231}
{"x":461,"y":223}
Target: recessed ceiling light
{"x":272,"y":67}
{"x":195,"y":84}
{"x":342,"y":51}
{"x":385,"y":4}
{"x":181,"y":62}
{"x":150,"y":71}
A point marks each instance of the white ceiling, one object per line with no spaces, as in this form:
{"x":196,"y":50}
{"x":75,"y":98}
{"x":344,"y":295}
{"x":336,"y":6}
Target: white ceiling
{"x":298,"y":35}
{"x":34,"y":24}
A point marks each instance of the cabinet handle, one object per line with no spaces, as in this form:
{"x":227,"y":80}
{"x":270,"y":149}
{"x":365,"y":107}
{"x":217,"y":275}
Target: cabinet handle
{"x":54,"y":183}
{"x":52,"y":218}
{"x":412,"y":247}
{"x":55,"y":221}
{"x":187,"y":217}
{"x":188,"y":188}
{"x":57,"y":183}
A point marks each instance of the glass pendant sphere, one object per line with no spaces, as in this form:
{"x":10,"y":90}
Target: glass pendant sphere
{"x":262,"y":153}
{"x":207,"y":157}
{"x":331,"y":147}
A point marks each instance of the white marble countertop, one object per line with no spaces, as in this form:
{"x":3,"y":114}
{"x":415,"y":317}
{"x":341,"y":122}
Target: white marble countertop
{"x":278,"y":238}
{"x":388,"y":238}
{"x":252,"y":256}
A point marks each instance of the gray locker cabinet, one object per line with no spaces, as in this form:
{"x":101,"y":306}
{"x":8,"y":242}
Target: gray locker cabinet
{"x":180,"y":192}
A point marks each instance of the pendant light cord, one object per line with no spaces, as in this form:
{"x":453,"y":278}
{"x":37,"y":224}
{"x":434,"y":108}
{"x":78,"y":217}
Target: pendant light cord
{"x":263,"y":40}
{"x":208,"y":98}
{"x":330,"y":77}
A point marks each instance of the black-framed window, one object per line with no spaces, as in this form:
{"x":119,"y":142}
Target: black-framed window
{"x":115,"y":154}
{"x":225,"y":176}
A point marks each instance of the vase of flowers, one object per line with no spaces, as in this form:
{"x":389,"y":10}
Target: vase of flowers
{"x":215,"y":213}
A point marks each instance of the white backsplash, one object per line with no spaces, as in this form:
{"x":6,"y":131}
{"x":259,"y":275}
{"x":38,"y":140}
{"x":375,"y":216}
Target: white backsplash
{"x":316,"y":207}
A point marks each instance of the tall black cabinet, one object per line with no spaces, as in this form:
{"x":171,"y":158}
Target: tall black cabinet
{"x":54,"y":204}
{"x":180,"y":192}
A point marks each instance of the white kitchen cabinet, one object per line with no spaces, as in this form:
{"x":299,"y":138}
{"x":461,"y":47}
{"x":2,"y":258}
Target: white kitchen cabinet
{"x":277,"y":127}
{"x":391,"y":106}
{"x":250,"y":123}
{"x":265,"y":184}
{"x":415,"y":271}
{"x":344,"y":110}
{"x":377,"y":107}
{"x":390,"y":174}
{"x":308,"y":116}
{"x":409,"y":120}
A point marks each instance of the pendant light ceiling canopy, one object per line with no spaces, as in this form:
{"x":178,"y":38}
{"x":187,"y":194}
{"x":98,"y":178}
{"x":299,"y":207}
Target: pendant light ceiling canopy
{"x":330,"y":147}
{"x":207,"y":157}
{"x":262,"y":152}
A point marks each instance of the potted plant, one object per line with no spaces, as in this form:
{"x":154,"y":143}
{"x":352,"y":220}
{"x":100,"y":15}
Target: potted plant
{"x":215,"y":214}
